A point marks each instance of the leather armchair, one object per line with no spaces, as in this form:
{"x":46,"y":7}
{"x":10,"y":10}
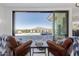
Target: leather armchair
{"x":18,"y":49}
{"x":60,"y":50}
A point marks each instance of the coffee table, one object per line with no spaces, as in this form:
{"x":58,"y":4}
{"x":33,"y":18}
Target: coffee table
{"x":41,"y":49}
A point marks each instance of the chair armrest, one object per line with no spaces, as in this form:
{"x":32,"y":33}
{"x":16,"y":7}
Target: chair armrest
{"x":23,"y":48}
{"x":59,"y":47}
{"x":56,"y":46}
{"x":20,"y":49}
{"x":56,"y":49}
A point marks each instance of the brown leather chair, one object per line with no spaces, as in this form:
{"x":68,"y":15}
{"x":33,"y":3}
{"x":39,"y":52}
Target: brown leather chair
{"x":60,"y":50}
{"x":18,"y":50}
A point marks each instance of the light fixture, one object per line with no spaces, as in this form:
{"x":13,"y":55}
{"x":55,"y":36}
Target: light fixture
{"x":77,"y":4}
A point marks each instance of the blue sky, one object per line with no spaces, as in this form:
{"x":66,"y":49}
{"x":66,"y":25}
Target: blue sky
{"x":31,"y":20}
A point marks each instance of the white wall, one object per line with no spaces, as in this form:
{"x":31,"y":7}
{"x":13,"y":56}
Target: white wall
{"x":8,"y":17}
{"x":2,"y":21}
{"x":5,"y":23}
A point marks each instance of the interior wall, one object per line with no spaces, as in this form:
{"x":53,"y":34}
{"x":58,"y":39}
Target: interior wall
{"x":5,"y":21}
{"x":8,"y":17}
{"x":2,"y":21}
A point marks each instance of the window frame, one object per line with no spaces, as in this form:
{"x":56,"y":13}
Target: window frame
{"x":66,"y":11}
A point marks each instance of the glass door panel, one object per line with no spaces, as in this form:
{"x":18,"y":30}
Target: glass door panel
{"x":60,"y":25}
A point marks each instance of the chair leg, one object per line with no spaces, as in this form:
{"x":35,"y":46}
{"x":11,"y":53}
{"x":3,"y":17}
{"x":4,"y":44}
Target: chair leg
{"x":48,"y":52}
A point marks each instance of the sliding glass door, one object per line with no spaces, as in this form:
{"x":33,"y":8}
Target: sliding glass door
{"x":59,"y":21}
{"x":60,"y":25}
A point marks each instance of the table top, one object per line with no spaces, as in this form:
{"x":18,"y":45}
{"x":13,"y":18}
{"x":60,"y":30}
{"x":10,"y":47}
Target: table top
{"x":43,"y":46}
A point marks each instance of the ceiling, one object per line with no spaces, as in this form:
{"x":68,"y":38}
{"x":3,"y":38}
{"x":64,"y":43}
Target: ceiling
{"x":75,"y":10}
{"x":43,"y":5}
{"x":38,"y":4}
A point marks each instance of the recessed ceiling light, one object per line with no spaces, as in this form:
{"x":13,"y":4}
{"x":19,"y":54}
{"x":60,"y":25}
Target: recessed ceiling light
{"x":77,"y":4}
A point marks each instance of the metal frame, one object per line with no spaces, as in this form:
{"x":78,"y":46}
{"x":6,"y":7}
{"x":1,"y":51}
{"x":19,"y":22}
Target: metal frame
{"x":13,"y":18}
{"x":32,"y":48}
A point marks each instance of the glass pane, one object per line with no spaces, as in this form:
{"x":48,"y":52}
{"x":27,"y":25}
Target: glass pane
{"x":60,"y":25}
{"x":75,"y":27}
{"x":33,"y":25}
